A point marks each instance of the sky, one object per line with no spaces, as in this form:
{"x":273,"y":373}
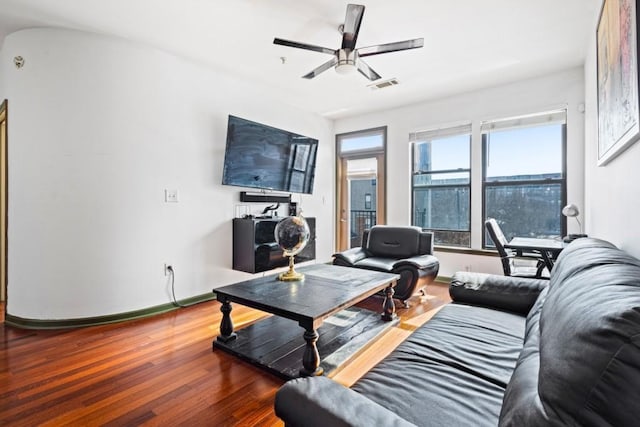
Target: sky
{"x":521,"y":151}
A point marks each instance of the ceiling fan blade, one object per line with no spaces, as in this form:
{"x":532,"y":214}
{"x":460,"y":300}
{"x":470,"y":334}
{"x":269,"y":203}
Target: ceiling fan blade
{"x":304,"y":46}
{"x":366,"y":71}
{"x":322,"y":68}
{"x":390,"y":47}
{"x":352,"y":22}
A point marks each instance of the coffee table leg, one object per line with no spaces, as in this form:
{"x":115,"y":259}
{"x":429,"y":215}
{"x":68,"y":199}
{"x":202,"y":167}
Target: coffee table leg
{"x":226,"y":325}
{"x":388,"y":307}
{"x":311,"y":357}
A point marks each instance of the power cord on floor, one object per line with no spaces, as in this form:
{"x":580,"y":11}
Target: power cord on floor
{"x":173,"y":292}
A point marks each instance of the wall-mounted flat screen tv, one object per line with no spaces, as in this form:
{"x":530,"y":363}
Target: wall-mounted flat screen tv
{"x":260,"y":156}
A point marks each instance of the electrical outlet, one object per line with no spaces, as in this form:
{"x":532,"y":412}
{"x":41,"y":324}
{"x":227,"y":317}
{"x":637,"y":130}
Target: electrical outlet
{"x":166,"y":269}
{"x":171,"y":196}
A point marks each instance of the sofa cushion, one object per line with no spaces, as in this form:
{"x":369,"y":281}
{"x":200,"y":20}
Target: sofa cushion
{"x":420,"y":262}
{"x":376,"y":263}
{"x":349,"y":257}
{"x":452,"y":371}
{"x":393,"y":242}
{"x":581,"y":360}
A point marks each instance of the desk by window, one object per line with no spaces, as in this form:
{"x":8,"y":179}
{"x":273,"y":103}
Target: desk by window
{"x":549,"y":249}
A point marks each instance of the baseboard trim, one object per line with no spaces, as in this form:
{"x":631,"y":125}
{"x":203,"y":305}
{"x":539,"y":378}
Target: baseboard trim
{"x":20,"y":322}
{"x":443,"y":279}
{"x":23,"y":323}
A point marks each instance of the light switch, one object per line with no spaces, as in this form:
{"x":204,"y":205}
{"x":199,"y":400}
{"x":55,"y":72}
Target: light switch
{"x":171,"y":196}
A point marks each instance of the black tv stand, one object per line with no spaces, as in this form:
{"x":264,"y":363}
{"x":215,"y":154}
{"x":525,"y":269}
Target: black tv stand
{"x":255,"y":249}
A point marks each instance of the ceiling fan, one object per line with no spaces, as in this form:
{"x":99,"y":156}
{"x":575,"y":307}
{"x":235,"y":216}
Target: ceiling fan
{"x":348,"y":58}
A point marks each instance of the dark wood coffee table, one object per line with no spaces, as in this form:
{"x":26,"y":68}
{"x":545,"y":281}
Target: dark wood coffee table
{"x":326,"y":290}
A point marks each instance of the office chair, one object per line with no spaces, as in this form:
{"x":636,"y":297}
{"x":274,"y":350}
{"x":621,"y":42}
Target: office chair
{"x":515,"y":263}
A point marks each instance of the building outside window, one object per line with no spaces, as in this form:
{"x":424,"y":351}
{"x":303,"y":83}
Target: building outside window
{"x":524,"y":175}
{"x":441,"y":184}
{"x":367,"y":201}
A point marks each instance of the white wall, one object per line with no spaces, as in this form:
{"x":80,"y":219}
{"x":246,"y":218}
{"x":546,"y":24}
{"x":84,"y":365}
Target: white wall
{"x":557,"y":90}
{"x":2,"y":90}
{"x":612,"y":191}
{"x":99,"y":128}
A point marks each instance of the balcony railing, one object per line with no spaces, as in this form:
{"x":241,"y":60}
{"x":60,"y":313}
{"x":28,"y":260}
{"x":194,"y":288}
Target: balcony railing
{"x":360,"y":221}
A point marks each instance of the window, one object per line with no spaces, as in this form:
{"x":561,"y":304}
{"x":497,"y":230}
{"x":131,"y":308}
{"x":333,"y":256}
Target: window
{"x":441,"y":184}
{"x":364,"y":141}
{"x":524,"y":178}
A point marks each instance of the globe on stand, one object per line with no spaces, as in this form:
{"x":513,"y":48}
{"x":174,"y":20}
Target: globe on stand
{"x":292,"y":235}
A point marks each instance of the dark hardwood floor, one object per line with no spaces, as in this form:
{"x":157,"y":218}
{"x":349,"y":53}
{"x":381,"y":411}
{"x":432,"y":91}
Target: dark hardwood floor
{"x":157,"y":371}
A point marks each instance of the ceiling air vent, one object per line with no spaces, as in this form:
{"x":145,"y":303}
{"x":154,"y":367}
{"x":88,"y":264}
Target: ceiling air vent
{"x":383,"y":84}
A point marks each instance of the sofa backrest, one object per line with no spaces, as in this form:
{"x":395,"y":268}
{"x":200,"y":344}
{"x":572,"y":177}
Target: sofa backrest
{"x":398,"y":242}
{"x":581,"y":360}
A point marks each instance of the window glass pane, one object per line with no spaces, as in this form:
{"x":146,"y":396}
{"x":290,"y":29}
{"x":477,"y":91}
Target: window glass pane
{"x":442,"y":208}
{"x":361,"y":142}
{"x":450,"y":178}
{"x":516,"y":156}
{"x":368,"y":166}
{"x":441,"y":200}
{"x":442,"y":154}
{"x":362,"y":216}
{"x":530,"y":210}
{"x":524,"y":154}
{"x":452,"y":238}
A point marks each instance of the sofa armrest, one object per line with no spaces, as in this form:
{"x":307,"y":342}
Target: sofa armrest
{"x":319,"y":401}
{"x":509,"y":293}
{"x":349,"y":257}
{"x":420,"y":262}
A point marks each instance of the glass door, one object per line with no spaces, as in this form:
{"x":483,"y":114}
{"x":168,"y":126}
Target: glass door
{"x":360,"y":185}
{"x":362,"y":177}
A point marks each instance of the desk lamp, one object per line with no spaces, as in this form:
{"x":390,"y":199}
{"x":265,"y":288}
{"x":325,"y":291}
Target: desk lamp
{"x":572,"y":210}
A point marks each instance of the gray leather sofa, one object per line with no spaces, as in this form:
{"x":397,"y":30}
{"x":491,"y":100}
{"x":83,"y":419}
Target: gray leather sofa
{"x":407,"y":251}
{"x":508,"y":351}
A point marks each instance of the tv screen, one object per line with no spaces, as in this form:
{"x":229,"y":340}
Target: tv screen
{"x":260,"y":156}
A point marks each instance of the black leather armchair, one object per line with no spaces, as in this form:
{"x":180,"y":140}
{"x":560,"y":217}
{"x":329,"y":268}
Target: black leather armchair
{"x":407,"y":251}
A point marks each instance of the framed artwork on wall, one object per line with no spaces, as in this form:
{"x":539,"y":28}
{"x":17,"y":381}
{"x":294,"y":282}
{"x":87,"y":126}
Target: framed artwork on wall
{"x":617,"y":78}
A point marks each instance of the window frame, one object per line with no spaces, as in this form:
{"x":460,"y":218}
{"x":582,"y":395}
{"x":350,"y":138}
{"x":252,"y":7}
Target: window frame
{"x":488,"y":184}
{"x":468,"y":185}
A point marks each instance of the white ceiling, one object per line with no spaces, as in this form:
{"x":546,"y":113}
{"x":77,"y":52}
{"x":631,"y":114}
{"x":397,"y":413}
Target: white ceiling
{"x":468,"y":44}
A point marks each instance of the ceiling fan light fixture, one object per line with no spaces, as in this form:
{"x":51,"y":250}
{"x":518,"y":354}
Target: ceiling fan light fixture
{"x":346,"y":62}
{"x":345,"y":68}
